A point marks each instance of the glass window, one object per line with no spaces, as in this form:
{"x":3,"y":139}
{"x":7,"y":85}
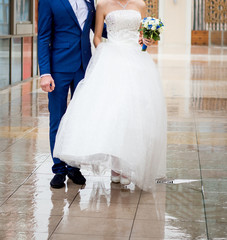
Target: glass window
{"x":36,"y":16}
{"x":16,"y":60}
{"x":35,"y":62}
{"x":4,"y":17}
{"x":23,"y":10}
{"x":4,"y":62}
{"x":27,"y":57}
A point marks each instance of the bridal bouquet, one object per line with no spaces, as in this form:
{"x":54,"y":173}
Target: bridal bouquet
{"x":151,"y":28}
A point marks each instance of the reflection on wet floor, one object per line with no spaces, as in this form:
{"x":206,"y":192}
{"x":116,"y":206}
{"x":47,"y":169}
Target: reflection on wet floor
{"x":195,"y":88}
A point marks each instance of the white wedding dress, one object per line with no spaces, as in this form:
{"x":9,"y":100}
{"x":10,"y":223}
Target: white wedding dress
{"x":117,"y":117}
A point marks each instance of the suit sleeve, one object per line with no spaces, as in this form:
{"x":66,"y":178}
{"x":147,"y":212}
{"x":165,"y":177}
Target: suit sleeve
{"x":45,"y":20}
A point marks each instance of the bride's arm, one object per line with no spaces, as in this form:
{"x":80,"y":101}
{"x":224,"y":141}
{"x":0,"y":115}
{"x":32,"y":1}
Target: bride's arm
{"x":143,"y":11}
{"x":99,"y":23}
{"x":146,"y":41}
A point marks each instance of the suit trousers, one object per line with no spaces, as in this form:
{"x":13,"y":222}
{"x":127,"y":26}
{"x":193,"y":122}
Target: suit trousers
{"x":57,"y":108}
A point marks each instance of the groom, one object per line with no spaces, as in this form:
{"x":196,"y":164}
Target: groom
{"x":64,"y":51}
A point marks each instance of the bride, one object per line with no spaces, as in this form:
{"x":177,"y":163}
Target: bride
{"x":117,"y":117}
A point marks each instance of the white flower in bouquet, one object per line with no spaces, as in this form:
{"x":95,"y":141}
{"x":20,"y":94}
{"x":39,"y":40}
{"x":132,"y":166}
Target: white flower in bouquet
{"x":151,"y":28}
{"x":157,"y":21}
{"x":161,"y":29}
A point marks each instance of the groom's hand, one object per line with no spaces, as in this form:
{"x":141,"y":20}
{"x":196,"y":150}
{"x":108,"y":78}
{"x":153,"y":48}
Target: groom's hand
{"x":47,"y":83}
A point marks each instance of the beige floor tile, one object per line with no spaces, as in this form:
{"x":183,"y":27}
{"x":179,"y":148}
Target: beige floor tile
{"x":2,"y":200}
{"x":192,"y":187}
{"x":215,"y":199}
{"x":46,"y":167}
{"x":181,"y":138}
{"x":84,"y":237}
{"x":213,"y":149}
{"x":42,"y":180}
{"x":33,"y":145}
{"x":214,"y":163}
{"x":103,"y":210}
{"x":171,"y":127}
{"x":10,"y":158}
{"x":46,"y":192}
{"x":215,"y":185}
{"x":6,"y":191}
{"x":5,"y":143}
{"x":217,"y":230}
{"x":146,"y":229}
{"x":28,"y":222}
{"x":36,"y":206}
{"x":155,"y":212}
{"x":11,"y":134}
{"x":12,"y":179}
{"x":153,"y":198}
{"x":39,"y":179}
{"x":189,"y":164}
{"x":183,"y":173}
{"x":216,"y":213}
{"x":168,"y":230}
{"x":182,"y":148}
{"x":213,"y":139}
{"x":105,"y":182}
{"x":14,"y":129}
{"x":19,"y":167}
{"x":171,"y":212}
{"x":12,"y":235}
{"x":172,"y":198}
{"x":206,"y":126}
{"x":95,"y":226}
{"x":103,"y":195}
{"x":39,"y":134}
{"x":215,"y":173}
{"x":184,"y":156}
{"x":150,"y":238}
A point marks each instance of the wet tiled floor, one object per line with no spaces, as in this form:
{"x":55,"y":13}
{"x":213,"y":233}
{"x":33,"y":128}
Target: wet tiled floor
{"x":195,"y":87}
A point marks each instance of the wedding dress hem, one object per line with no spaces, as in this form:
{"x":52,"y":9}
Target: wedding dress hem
{"x":100,"y":163}
{"x":117,"y":116}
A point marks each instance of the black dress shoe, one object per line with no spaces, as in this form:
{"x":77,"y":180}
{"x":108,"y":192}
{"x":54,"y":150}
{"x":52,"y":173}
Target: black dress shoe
{"x":58,"y":181}
{"x":76,"y":176}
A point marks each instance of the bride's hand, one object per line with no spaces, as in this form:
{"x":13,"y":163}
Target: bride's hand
{"x":148,"y":42}
{"x":140,"y":41}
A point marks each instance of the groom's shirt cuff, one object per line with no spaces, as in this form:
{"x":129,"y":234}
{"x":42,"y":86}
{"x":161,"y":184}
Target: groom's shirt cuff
{"x":46,"y":74}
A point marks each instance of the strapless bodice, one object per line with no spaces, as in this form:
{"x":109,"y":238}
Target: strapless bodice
{"x":123,"y":25}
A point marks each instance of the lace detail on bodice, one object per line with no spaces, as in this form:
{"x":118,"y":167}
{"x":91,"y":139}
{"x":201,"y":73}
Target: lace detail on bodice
{"x":123,"y":25}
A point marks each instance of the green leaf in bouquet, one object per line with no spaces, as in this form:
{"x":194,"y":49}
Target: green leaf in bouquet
{"x":156,"y":38}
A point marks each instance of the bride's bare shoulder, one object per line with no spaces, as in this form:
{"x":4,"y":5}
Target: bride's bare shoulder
{"x":104,"y":3}
{"x":105,"y":6}
{"x":140,"y":4}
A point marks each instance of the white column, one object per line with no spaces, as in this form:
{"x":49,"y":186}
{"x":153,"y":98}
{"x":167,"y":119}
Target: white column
{"x":176,"y":16}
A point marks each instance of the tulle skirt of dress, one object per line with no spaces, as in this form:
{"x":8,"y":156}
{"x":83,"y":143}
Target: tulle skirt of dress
{"x":117,"y":117}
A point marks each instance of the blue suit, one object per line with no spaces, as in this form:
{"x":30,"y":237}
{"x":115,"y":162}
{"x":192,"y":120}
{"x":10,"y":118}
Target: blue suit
{"x":64,"y":51}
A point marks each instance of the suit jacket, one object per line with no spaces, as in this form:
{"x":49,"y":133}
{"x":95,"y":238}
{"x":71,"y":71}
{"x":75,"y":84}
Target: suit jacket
{"x":62,"y":45}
